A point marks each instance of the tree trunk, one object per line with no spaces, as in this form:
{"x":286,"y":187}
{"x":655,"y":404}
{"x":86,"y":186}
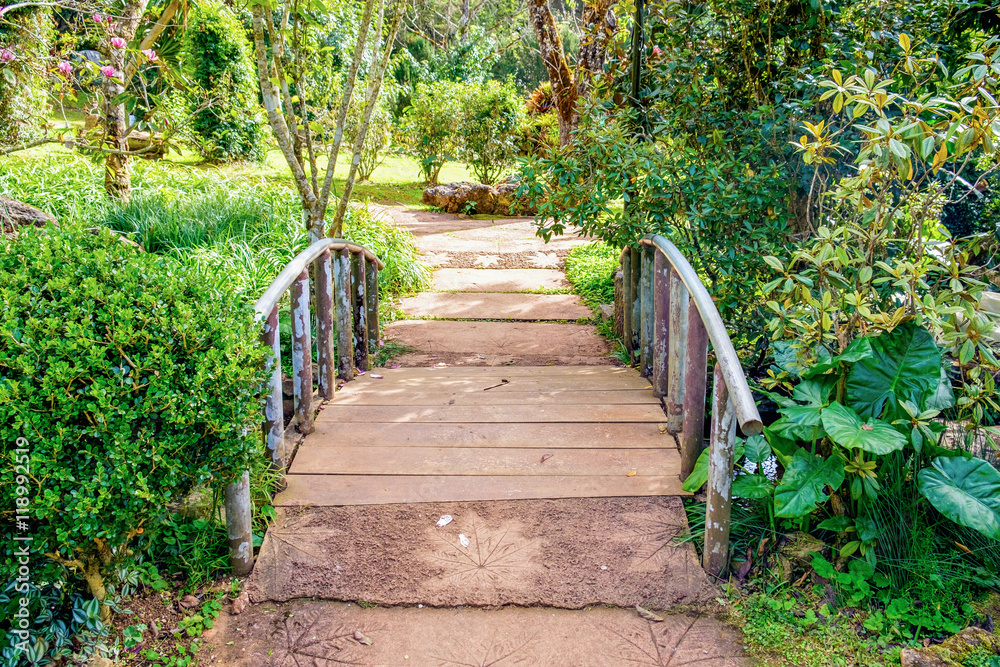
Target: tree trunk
{"x":117,"y":180}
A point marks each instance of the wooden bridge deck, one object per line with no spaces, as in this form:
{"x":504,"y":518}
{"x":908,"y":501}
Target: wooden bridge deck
{"x":486,"y":433}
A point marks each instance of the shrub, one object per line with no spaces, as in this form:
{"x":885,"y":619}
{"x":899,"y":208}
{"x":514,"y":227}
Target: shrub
{"x":217,"y":54}
{"x":377,"y":139}
{"x":132,"y":381}
{"x":431,"y":124}
{"x":491,"y":113}
{"x":24,"y":106}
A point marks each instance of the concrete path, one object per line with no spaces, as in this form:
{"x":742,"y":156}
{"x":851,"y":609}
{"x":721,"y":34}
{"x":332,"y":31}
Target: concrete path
{"x":508,"y":288}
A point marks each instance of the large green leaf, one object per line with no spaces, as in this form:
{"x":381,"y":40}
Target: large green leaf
{"x":803,"y":484}
{"x":757,"y":449}
{"x":699,"y":475}
{"x":905,"y":365}
{"x":967,"y":491}
{"x":784,"y":448}
{"x":848,"y":430}
{"x":858,"y":349}
{"x":752,"y":486}
{"x":802,"y":421}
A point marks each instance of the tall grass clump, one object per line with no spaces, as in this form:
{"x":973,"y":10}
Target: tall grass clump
{"x":591,"y":269}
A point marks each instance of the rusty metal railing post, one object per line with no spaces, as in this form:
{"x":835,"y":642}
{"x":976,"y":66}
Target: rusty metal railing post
{"x":342,"y":303}
{"x":635,"y":307}
{"x":358,"y":301}
{"x":371,"y":303}
{"x":720,"y":478}
{"x":628,"y":296}
{"x":238,"y":525}
{"x":661,"y":323}
{"x":302,"y":379}
{"x":324,"y":324}
{"x":695,"y":372}
{"x":646,"y":313}
{"x":676,"y":352}
{"x":274,"y":414}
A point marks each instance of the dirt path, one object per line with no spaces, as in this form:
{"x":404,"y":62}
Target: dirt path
{"x":575,"y":567}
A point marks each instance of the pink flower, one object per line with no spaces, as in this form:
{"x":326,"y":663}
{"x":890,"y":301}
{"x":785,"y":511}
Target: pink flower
{"x":6,"y":55}
{"x":97,"y":18}
{"x":65,"y":68}
{"x":108,"y":71}
{"x":150,"y":55}
{"x":118,"y":43}
{"x":657,"y":52}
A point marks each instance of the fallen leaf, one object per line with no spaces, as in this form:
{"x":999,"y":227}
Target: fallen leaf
{"x":189,"y":602}
{"x":463,"y":540}
{"x":396,"y":366}
{"x":375,"y":377}
{"x":360,"y":638}
{"x":546,"y":457}
{"x":444,"y":520}
{"x":648,"y":615}
{"x":632,"y":473}
{"x":663,"y":428}
{"x":964,"y":548}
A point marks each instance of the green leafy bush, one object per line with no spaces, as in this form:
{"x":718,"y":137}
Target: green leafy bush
{"x":490,"y":115}
{"x":227,"y":121}
{"x":431,"y":126}
{"x":132,"y":381}
{"x":25,"y":33}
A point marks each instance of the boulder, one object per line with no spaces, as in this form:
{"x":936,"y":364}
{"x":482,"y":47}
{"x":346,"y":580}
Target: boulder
{"x":952,"y":651}
{"x":477,"y":198}
{"x":15,"y":215}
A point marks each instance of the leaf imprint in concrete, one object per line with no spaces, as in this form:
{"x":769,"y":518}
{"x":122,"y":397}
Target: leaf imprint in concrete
{"x":495,"y":558}
{"x":505,"y":650}
{"x":286,"y":551}
{"x":316,"y":640}
{"x":676,"y":642}
{"x":653,"y":541}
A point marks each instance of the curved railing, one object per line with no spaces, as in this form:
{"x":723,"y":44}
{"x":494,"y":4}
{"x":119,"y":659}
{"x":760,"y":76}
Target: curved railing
{"x":344,"y":290}
{"x":669,"y":318}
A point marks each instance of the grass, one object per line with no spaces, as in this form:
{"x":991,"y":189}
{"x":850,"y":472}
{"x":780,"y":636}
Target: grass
{"x":591,"y":269}
{"x":395,"y":181}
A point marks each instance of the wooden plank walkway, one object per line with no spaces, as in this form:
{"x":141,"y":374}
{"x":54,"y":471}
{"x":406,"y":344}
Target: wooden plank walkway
{"x":486,"y":433}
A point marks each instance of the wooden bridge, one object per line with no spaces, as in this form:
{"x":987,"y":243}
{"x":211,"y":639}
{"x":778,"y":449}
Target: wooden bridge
{"x":514,"y":433}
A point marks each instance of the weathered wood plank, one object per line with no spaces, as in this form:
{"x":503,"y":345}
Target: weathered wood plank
{"x":394,"y":395}
{"x":483,"y":461}
{"x":332,"y":435}
{"x":514,"y":383}
{"x":499,"y":414}
{"x":603,"y":372}
{"x":328,"y":490}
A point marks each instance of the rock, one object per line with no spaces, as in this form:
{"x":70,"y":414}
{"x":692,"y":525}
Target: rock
{"x":100,"y":661}
{"x":15,"y":214}
{"x":241,"y":603}
{"x":477,"y":198}
{"x":607,"y":311}
{"x":952,"y":651}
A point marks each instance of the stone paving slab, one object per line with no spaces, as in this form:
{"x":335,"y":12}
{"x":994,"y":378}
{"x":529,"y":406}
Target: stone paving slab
{"x":323,"y":634}
{"x":493,"y":306}
{"x":567,"y":553}
{"x":498,"y":280}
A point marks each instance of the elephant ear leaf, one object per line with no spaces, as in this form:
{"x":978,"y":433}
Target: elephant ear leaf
{"x":905,"y":365}
{"x":967,"y":491}
{"x":847,"y":430}
{"x":802,"y":486}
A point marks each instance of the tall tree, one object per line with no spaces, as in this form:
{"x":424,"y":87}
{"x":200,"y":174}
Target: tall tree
{"x":281,"y":45}
{"x":570,"y":84}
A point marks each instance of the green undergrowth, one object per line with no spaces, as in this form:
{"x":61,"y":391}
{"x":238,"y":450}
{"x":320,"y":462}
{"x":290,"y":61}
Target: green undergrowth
{"x":591,"y":269}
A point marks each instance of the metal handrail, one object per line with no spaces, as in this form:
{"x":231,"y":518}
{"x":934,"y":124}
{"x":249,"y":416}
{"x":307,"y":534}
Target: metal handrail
{"x":276,"y":290}
{"x":739,"y":391}
{"x":343,"y":286}
{"x":668,"y":316}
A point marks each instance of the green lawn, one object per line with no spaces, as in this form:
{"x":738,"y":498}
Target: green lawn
{"x":395,"y":181}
